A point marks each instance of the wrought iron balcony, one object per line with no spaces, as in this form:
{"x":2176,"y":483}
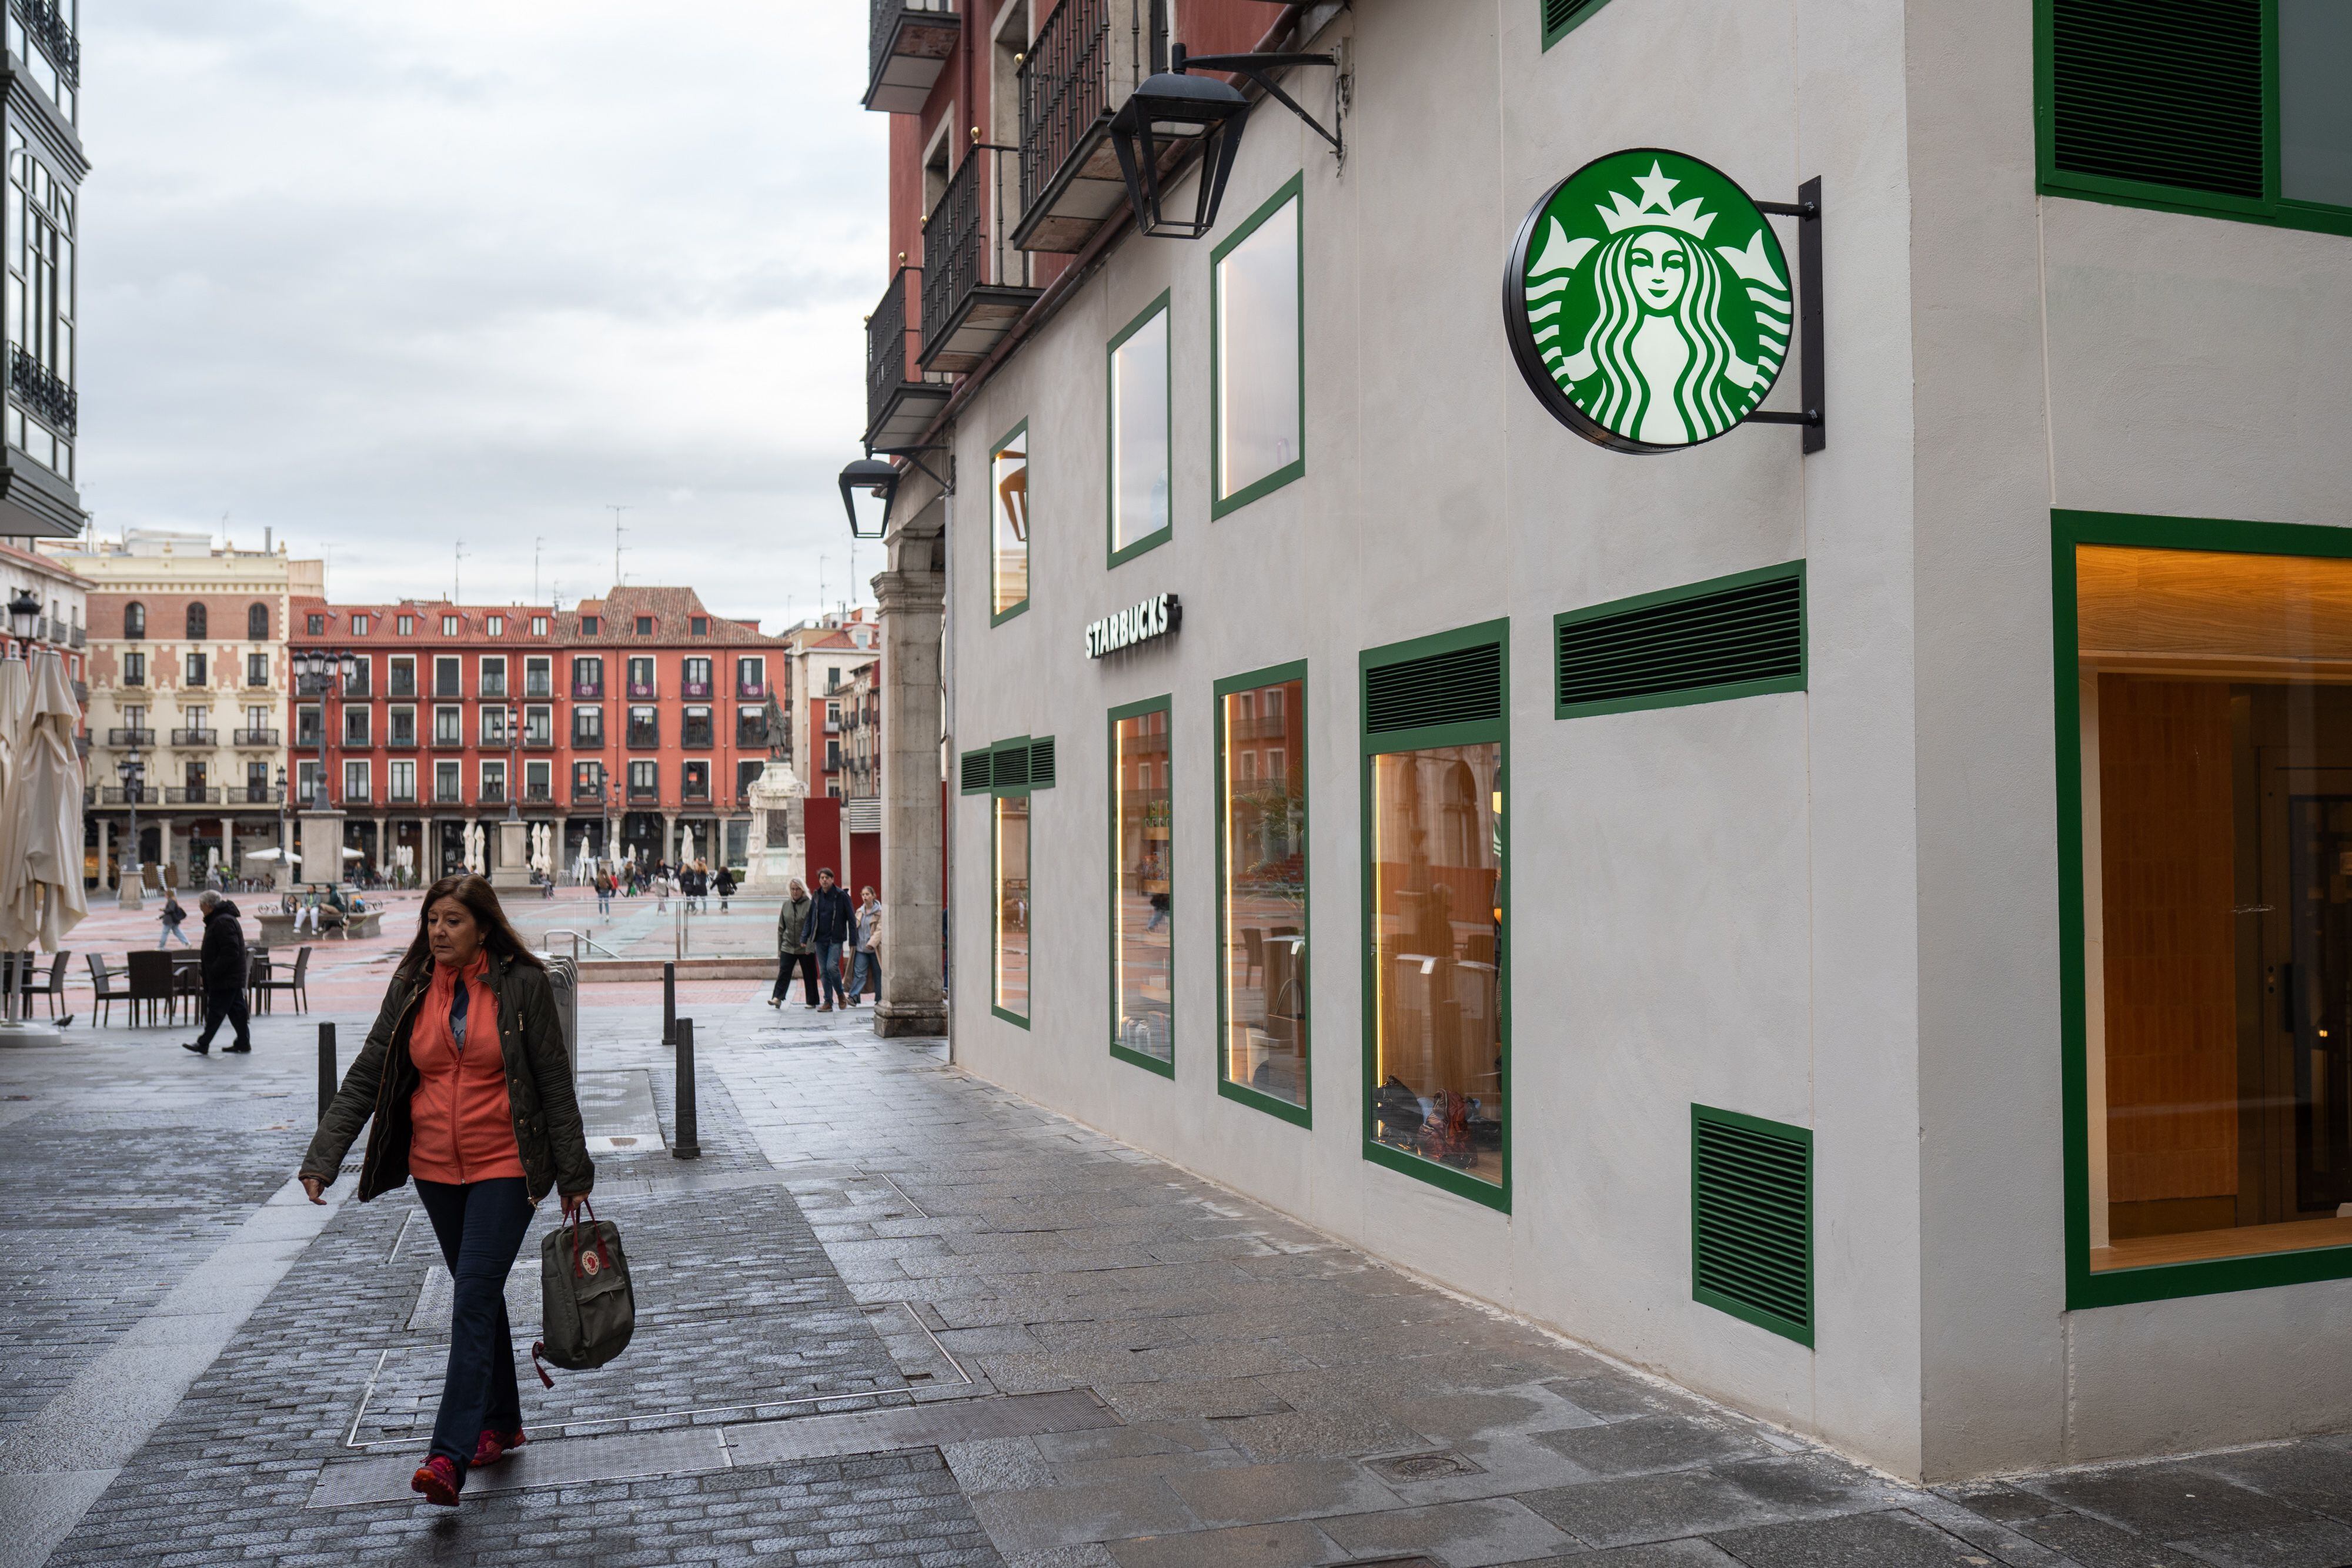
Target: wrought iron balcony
{"x":404,"y":684}
{"x":899,"y":404}
{"x":42,"y":391}
{"x":644,"y":737}
{"x":355,"y":795}
{"x":1089,"y":56}
{"x":590,"y":691}
{"x":976,"y":285}
{"x":698,"y":691}
{"x":644,"y":792}
{"x":258,"y":794}
{"x":193,"y":795}
{"x":750,"y":729}
{"x":589,"y":793}
{"x":399,"y":742}
{"x":146,"y":795}
{"x":536,"y":684}
{"x":695,"y":736}
{"x":644,"y":691}
{"x":751,"y":691}
{"x":538,"y":740}
{"x":49,"y":28}
{"x":268,"y":737}
{"x":196,"y":738}
{"x":443,"y":741}
{"x":78,"y":637}
{"x":130,"y":738}
{"x":908,"y":48}
{"x":537,"y":795}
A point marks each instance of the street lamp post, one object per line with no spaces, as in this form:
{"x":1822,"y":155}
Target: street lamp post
{"x":285,"y":834}
{"x":329,"y":674}
{"x":133,"y":891}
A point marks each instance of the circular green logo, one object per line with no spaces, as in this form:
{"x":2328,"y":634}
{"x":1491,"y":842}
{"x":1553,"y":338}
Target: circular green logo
{"x":1647,"y":301}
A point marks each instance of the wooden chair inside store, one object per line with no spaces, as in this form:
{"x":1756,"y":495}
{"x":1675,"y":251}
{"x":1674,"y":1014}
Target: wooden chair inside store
{"x":1254,"y":945}
{"x":104,"y":992}
{"x":296,"y":984}
{"x":153,"y":982}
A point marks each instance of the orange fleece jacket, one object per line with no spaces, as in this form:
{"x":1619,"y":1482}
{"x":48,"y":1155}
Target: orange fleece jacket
{"x":461,"y":1124}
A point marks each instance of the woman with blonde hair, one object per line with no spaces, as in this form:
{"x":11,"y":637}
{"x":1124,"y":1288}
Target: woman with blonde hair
{"x":466,"y":1086}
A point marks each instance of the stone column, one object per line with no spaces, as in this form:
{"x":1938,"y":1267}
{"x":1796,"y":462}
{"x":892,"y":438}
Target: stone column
{"x":163,"y":842}
{"x":106,"y":866}
{"x":669,"y":836}
{"x":913,"y":597}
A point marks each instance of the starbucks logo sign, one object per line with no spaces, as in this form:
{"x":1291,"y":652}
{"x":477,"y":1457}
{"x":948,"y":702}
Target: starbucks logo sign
{"x":1648,"y":302}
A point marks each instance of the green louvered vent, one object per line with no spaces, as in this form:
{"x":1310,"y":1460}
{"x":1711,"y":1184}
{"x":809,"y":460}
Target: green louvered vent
{"x":975,"y":774}
{"x":1464,"y":686}
{"x":1730,"y":638}
{"x":1012,"y":767}
{"x":1751,"y":1220}
{"x":2168,"y":91}
{"x":1559,"y":16}
{"x":1041,"y":764}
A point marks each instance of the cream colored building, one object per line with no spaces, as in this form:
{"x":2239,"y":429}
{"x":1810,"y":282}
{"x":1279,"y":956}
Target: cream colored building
{"x":187,"y":674}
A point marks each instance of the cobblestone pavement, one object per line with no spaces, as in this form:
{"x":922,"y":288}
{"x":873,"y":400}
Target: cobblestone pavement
{"x":895,"y":1315}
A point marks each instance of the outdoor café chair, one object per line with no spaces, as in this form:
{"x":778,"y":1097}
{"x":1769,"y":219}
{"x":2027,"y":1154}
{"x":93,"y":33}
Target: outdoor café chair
{"x":152,"y":980}
{"x":104,"y":992}
{"x":295,"y":985}
{"x":53,"y":987}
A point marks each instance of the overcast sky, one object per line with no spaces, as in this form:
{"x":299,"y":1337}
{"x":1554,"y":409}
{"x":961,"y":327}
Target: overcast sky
{"x":388,"y":277}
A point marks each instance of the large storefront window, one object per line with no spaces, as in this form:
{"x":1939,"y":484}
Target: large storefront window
{"x":1011,"y":863}
{"x":1257,"y":337}
{"x":1142,"y":937}
{"x":2213,"y":699}
{"x":1140,"y":434}
{"x":1437,"y":1059}
{"x":1008,"y":525}
{"x":1262,"y":888}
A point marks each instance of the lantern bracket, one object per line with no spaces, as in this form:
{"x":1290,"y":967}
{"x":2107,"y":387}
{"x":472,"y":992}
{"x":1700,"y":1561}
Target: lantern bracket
{"x":1254,"y":67}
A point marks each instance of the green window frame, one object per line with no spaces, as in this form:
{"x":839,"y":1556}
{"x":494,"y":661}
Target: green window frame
{"x":1494,"y":730}
{"x":2261,"y":83}
{"x":1010,"y":769}
{"x":1727,"y":637}
{"x":1220,"y":504}
{"x":2160,"y":1282}
{"x":1559,"y":18}
{"x":1115,"y":552}
{"x":1228,"y":1086}
{"x":1165,"y":707}
{"x":1004,"y":502}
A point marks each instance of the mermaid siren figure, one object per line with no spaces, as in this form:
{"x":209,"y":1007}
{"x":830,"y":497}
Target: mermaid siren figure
{"x":1656,"y":336}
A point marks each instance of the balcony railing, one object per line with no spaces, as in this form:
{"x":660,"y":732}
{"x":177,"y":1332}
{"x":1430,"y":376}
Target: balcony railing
{"x":538,"y":685}
{"x":975,"y":284}
{"x":355,"y":795}
{"x":396,"y":796}
{"x":644,"y":691}
{"x":397,"y":741}
{"x":115,"y":795}
{"x":252,"y":738}
{"x":494,"y":687}
{"x":589,"y":793}
{"x":445,"y":742}
{"x":588,"y":740}
{"x":695,"y":736}
{"x":49,"y":28}
{"x":908,"y":45}
{"x":900,"y":404}
{"x":130,"y":738}
{"x":644,"y":792}
{"x":256,"y":794}
{"x":193,"y":795}
{"x":404,"y":684}
{"x":537,"y":795}
{"x":42,"y":391}
{"x":538,"y":740}
{"x":448,"y":797}
{"x":196,"y":738}
{"x":644,"y":737}
{"x":751,"y":691}
{"x":1089,"y":56}
{"x":752,"y":729}
{"x":493,"y":794}
{"x":77,"y":637}
{"x":695,"y":691}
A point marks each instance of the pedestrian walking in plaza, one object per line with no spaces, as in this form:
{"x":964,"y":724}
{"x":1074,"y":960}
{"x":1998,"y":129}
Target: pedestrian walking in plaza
{"x":173,"y":916}
{"x":464,"y":1084}
{"x":604,"y":881}
{"x":831,"y":923}
{"x":226,"y":972}
{"x":726,"y":882}
{"x":794,"y":951}
{"x":868,"y":971}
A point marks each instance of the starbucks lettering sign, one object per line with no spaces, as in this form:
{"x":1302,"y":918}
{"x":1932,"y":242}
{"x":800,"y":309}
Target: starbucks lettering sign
{"x":1648,"y":302}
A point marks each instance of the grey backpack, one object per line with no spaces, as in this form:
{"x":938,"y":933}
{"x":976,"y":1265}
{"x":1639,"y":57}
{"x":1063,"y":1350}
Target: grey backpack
{"x":587,"y":1311}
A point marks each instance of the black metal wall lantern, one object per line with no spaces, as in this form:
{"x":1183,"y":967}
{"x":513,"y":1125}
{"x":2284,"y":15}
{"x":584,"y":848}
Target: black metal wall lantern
{"x":24,"y":615}
{"x":877,"y":479}
{"x":1174,"y":111}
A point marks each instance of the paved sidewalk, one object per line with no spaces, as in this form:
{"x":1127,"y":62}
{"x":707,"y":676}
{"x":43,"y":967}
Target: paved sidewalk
{"x":895,"y":1316}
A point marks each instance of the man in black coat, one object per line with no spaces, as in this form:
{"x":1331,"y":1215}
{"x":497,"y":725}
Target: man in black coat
{"x":227,"y":971}
{"x":831,"y":922}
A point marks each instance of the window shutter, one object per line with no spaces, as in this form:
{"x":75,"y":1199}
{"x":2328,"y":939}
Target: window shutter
{"x":1011,"y":766}
{"x":975,"y":772}
{"x":1561,"y":17}
{"x":1752,"y":1220}
{"x":1464,"y":686}
{"x":2165,"y":91}
{"x":1699,"y":646}
{"x":1041,"y":764}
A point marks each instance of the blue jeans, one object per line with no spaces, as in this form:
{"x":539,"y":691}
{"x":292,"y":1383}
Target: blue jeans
{"x":480,"y":1227}
{"x":828,"y":968}
{"x":170,"y":932}
{"x":603,"y":902}
{"x":868,"y":970}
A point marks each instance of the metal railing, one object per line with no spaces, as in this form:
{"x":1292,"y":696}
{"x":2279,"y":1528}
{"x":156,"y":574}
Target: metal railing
{"x":130,"y":738}
{"x":967,"y":239}
{"x":644,"y":738}
{"x":78,"y":637}
{"x":193,"y":795}
{"x":49,"y":28}
{"x":699,"y":691}
{"x":252,"y":738}
{"x":1088,"y":58}
{"x":256,"y":794}
{"x":196,"y":738}
{"x":890,"y":344}
{"x":644,"y":691}
{"x":146,"y":795}
{"x":41,"y":390}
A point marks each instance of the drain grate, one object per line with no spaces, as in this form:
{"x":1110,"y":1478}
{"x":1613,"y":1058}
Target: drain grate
{"x":1422,"y":1467}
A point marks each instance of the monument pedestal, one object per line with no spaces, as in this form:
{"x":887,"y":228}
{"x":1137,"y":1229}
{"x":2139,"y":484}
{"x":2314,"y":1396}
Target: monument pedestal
{"x":322,"y":847}
{"x":779,"y":831}
{"x":130,"y":892}
{"x":513,"y":869}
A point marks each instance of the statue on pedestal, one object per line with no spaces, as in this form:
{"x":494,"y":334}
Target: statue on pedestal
{"x":778,"y":840}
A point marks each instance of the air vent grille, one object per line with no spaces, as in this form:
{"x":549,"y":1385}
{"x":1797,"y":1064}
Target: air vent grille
{"x":1041,"y":764}
{"x":975,"y":771}
{"x":2166,"y":92}
{"x":1012,"y":771}
{"x":1731,"y":643}
{"x":1559,"y":16}
{"x":1464,"y":686}
{"x":1751,"y":1220}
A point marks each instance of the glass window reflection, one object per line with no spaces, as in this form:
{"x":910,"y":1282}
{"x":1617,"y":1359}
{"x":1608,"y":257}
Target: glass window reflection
{"x":1142,"y":897}
{"x":1262,"y":813}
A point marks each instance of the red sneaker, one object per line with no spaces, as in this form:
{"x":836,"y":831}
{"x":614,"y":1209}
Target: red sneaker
{"x":492,"y":1446}
{"x":438,"y":1480}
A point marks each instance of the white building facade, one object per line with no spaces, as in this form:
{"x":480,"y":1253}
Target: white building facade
{"x":1859,"y":931}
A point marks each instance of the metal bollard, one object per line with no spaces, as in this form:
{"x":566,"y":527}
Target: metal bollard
{"x":326,"y":1068}
{"x":688,"y":1146}
{"x":669,"y":1004}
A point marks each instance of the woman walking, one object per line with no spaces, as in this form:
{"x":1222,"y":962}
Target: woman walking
{"x":468,"y":1087}
{"x":794,"y":948}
